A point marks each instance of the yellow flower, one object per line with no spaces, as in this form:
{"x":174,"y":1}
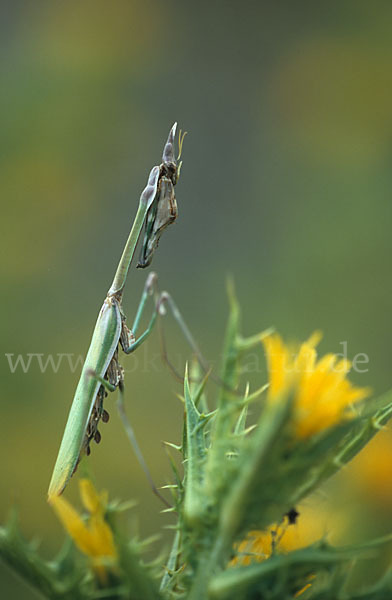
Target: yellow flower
{"x":322,"y":395}
{"x":315,"y":520}
{"x":310,"y":526}
{"x":260,"y":545}
{"x":94,"y":537}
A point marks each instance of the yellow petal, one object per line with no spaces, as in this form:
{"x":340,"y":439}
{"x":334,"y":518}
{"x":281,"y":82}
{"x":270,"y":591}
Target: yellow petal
{"x":306,"y":359}
{"x":315,"y":338}
{"x":90,"y":497}
{"x":343,"y":366}
{"x":323,"y":396}
{"x":73,"y":523}
{"x":278,"y":364}
{"x":102,"y":537}
{"x":94,"y":538}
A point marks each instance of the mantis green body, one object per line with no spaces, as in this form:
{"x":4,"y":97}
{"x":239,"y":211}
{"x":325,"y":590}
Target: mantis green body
{"x":101,"y":368}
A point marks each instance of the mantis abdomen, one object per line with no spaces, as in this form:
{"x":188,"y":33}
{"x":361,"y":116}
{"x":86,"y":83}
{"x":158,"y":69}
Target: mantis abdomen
{"x":103,"y":345}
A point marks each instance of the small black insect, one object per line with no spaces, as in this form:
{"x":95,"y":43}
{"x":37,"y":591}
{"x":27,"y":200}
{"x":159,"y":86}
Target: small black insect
{"x":292,"y":516}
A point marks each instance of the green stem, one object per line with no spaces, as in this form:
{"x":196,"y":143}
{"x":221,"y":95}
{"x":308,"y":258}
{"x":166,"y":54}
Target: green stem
{"x":171,"y":566}
{"x":209,"y":563}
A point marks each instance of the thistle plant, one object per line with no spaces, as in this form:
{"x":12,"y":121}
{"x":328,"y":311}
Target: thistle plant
{"x":246,"y":460}
{"x":236,"y":494}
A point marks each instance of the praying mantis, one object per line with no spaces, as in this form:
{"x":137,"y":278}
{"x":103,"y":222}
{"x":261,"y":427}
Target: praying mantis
{"x":101,"y":370}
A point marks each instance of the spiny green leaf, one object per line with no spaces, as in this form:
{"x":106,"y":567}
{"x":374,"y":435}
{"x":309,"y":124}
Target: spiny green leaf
{"x":169,"y":579}
{"x":230,"y":351}
{"x":341,"y":444}
{"x":197,"y":386}
{"x":140,"y":579}
{"x":242,"y":500}
{"x":195,"y":456}
{"x":63,"y":578}
{"x":241,"y":421}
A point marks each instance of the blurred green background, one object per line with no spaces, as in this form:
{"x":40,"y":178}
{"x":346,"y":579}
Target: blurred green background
{"x":286,"y":184}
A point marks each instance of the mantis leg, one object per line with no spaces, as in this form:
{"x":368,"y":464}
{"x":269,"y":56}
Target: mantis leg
{"x":150,"y":288}
{"x":129,"y":345}
{"x":166,"y":299}
{"x":136,"y":448}
{"x":163,"y":300}
{"x":129,"y":430}
{"x":127,"y":339}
